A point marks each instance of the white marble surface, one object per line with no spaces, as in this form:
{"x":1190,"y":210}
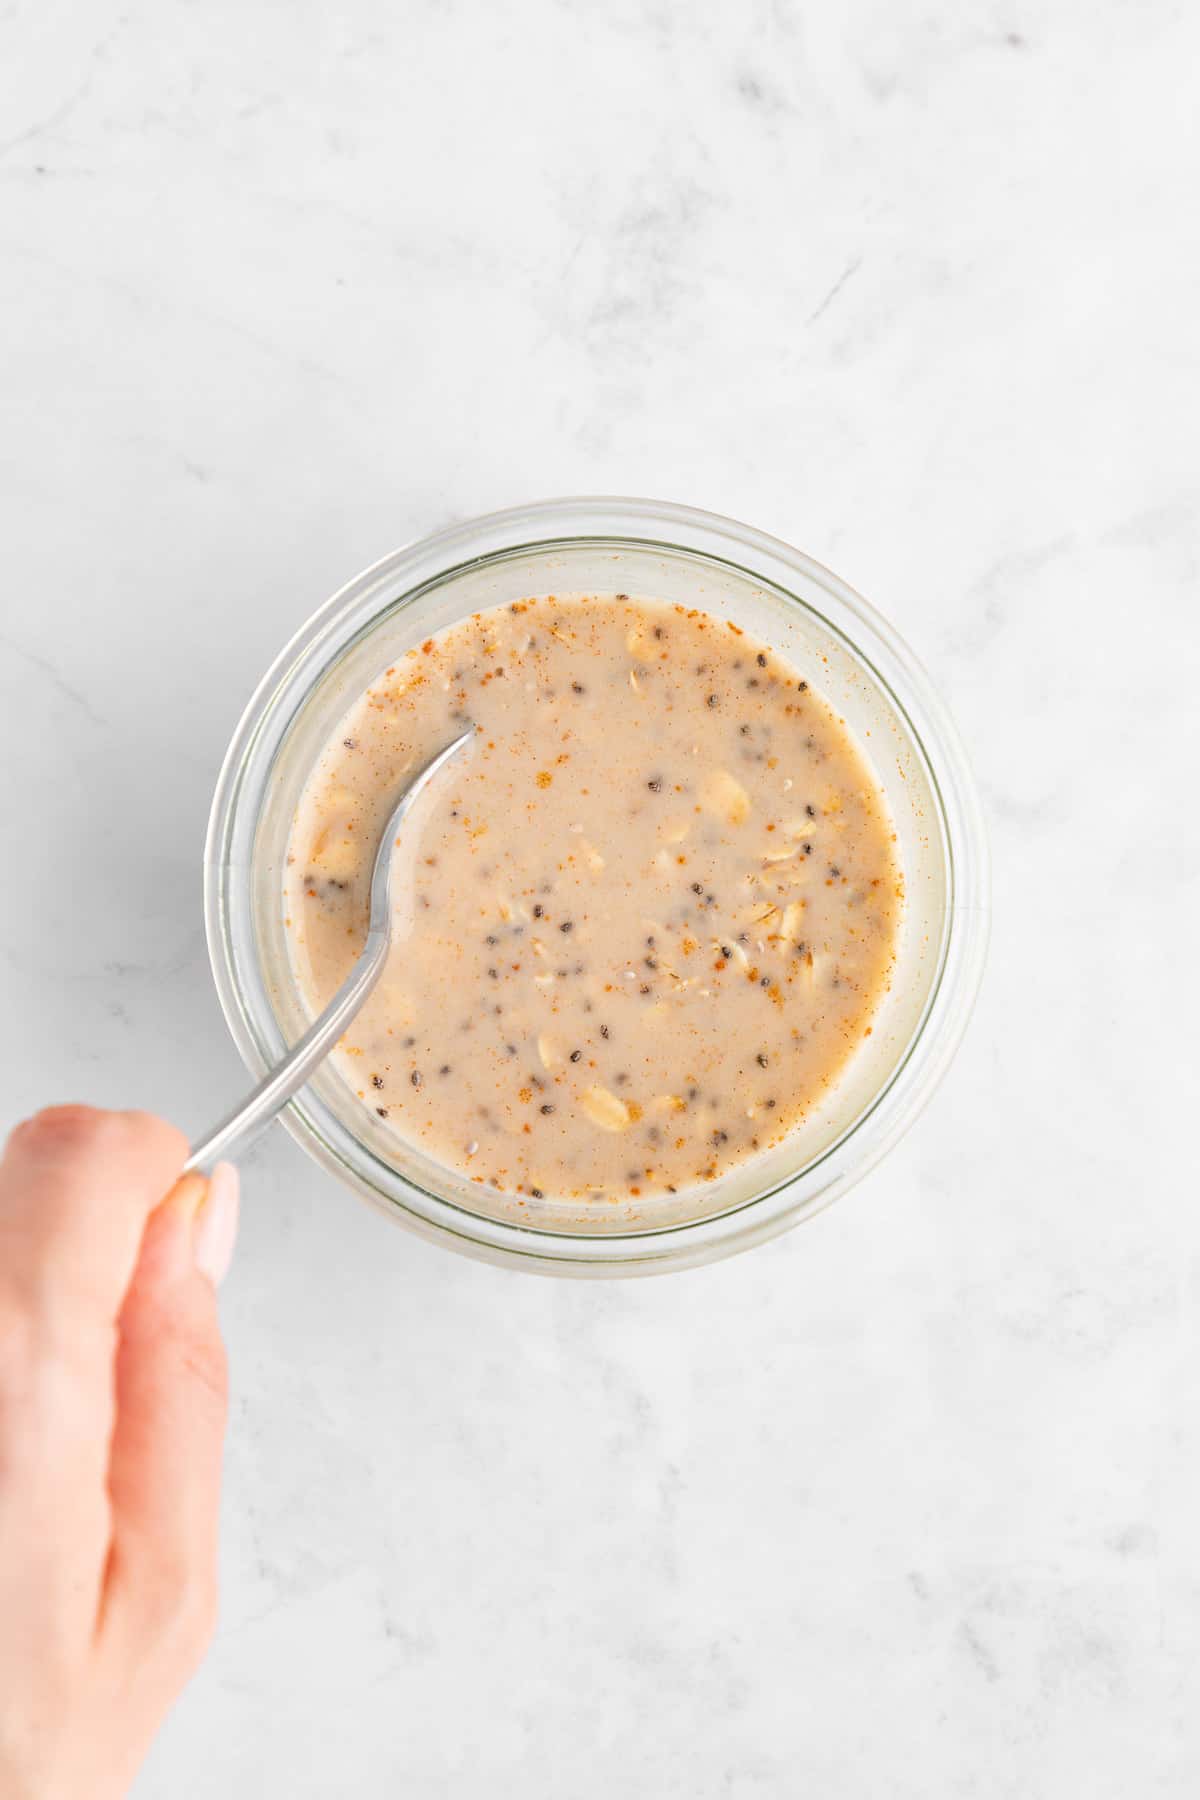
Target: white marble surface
{"x":908,"y":1503}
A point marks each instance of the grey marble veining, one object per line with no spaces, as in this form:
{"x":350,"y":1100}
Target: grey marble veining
{"x":906,"y":1503}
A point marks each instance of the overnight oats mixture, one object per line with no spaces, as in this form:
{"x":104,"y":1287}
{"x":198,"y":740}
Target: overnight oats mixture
{"x":645,"y":918}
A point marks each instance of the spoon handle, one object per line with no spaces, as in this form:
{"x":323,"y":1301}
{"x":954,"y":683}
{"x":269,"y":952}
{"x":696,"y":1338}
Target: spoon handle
{"x":276,"y":1089}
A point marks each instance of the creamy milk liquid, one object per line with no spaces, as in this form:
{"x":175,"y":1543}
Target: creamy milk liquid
{"x":644,"y":920}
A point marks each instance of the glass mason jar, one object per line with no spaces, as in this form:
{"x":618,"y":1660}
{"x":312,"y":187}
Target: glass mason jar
{"x":677,"y":554}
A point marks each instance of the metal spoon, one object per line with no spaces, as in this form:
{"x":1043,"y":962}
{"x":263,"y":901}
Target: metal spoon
{"x":277,"y":1088}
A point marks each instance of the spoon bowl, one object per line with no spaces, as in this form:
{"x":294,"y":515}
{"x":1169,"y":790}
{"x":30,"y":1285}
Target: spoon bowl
{"x":289,"y":1076}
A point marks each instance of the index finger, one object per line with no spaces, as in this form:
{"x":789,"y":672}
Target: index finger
{"x":76,"y":1188}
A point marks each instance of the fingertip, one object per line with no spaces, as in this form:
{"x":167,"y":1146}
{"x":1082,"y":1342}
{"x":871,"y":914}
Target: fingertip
{"x":166,"y":1252}
{"x":158,"y":1134}
{"x":217,"y":1224}
{"x":187,"y":1196}
{"x":74,"y":1133}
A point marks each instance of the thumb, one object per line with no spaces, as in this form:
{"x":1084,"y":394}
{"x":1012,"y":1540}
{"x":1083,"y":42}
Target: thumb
{"x":165,"y":1467}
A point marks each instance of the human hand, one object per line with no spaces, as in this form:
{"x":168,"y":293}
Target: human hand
{"x":112,"y":1415}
